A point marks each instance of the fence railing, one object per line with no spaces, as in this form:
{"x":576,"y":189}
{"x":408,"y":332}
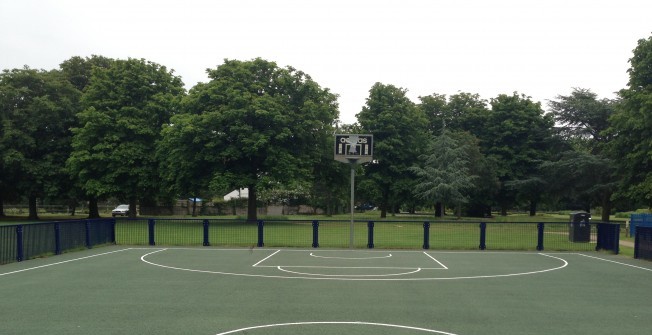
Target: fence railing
{"x":643,"y":243}
{"x":20,"y":242}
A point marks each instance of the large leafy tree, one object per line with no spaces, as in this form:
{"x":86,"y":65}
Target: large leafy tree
{"x":458,"y":112}
{"x":465,"y":116}
{"x":443,"y":174}
{"x":400,"y":134}
{"x":79,"y":71}
{"x":261,"y":125}
{"x":583,"y":171}
{"x":37,"y":112}
{"x":631,"y":127}
{"x":114,"y":147}
{"x":517,"y":137}
{"x":184,"y":157}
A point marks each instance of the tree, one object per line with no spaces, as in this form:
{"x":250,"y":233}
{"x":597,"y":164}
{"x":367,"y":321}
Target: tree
{"x":37,"y":112}
{"x":184,"y":159}
{"x":459,"y":112}
{"x":465,"y":115}
{"x":266,"y":125}
{"x":79,"y":71}
{"x":114,"y":147}
{"x":631,"y":127}
{"x":583,"y":120}
{"x":517,"y":136}
{"x":399,"y":130}
{"x":443,"y":173}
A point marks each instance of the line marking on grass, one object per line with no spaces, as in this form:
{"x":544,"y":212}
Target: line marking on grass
{"x":262,"y":260}
{"x":438,"y":262}
{"x":619,"y":263}
{"x":63,"y":262}
{"x":357,"y":323}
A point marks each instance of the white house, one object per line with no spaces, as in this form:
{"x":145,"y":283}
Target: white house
{"x":235,"y":194}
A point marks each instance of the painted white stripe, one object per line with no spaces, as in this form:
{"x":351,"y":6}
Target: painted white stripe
{"x":62,"y":262}
{"x":344,"y":275}
{"x":332,"y":257}
{"x":243,"y":330}
{"x":625,"y":264}
{"x":438,"y":262}
{"x":262,"y":260}
{"x":564,"y":264}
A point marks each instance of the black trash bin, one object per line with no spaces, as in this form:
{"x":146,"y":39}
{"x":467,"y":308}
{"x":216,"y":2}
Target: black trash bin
{"x":579,"y":228}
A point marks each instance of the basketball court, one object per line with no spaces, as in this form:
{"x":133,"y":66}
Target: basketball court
{"x":157,"y":290}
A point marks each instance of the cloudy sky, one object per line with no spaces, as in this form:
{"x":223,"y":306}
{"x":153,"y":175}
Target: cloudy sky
{"x":538,"y":48}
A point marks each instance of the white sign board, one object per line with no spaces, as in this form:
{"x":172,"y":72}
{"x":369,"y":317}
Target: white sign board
{"x":354,"y":148}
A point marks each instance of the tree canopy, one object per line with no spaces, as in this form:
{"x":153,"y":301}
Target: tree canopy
{"x":114,"y":145}
{"x":631,"y":127}
{"x":38,"y":110}
{"x":261,"y":124}
{"x":399,"y":130}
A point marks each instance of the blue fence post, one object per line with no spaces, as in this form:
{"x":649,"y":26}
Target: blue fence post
{"x":260,"y":233}
{"x":150,"y":225}
{"x":637,"y":243}
{"x":483,"y":235}
{"x":540,"y":227}
{"x":426,"y":235}
{"x":370,"y":233}
{"x":112,"y":231}
{"x":57,"y":238}
{"x":89,"y":244}
{"x":206,"y":241}
{"x":315,"y":234}
{"x":19,"y":243}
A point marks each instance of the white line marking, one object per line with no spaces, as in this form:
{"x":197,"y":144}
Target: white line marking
{"x":262,"y":260}
{"x":565,"y":264}
{"x":243,"y":330}
{"x":625,"y":264}
{"x":438,"y":262}
{"x":344,"y":275}
{"x":313,"y":255}
{"x":62,"y":262}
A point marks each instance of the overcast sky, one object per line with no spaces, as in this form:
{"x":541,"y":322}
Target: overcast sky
{"x":538,"y":48}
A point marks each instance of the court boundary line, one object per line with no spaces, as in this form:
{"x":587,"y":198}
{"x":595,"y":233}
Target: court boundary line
{"x":334,"y":322}
{"x":343,"y":278}
{"x":619,"y":263}
{"x":63,"y":262}
{"x":358,"y":258}
{"x":417,"y":269}
{"x":280,"y":268}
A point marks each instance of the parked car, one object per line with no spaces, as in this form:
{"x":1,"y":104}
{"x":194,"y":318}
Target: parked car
{"x":122,"y":210}
{"x":366,"y":207}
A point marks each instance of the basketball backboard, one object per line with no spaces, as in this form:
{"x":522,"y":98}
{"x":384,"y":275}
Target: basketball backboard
{"x":354,"y":148}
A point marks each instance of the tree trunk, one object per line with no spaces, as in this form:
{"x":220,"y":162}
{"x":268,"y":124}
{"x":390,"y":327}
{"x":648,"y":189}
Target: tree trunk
{"x":606,"y":207}
{"x":438,"y":212}
{"x":252,"y":206}
{"x":93,"y":210}
{"x":133,"y":204}
{"x":503,"y":210}
{"x":33,"y":213}
{"x":194,"y":207}
{"x":533,"y":208}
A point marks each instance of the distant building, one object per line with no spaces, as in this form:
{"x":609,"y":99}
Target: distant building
{"x":236,"y":194}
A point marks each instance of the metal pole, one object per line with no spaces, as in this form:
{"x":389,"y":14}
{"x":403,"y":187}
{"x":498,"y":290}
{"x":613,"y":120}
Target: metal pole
{"x":352,"y":203}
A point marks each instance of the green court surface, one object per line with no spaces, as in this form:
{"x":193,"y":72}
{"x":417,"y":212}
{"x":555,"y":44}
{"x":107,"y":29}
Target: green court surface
{"x":211,"y":291}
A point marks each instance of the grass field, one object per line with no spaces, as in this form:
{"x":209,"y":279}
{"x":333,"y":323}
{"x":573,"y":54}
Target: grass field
{"x":218,"y":291}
